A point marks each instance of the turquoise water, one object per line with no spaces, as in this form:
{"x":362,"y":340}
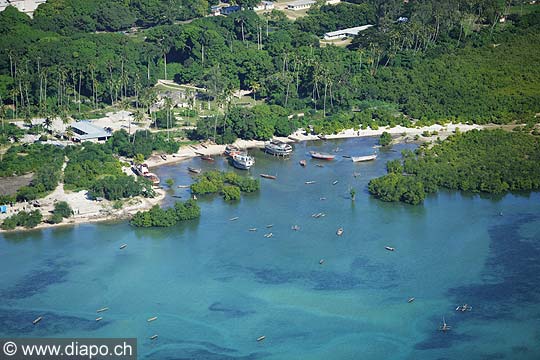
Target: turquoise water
{"x":215,"y":286}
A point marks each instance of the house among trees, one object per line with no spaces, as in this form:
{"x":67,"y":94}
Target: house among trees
{"x":86,"y":131}
{"x":26,"y":6}
{"x":264,"y":5}
{"x":300,"y":4}
{"x":230,"y":9}
{"x":345,"y":33}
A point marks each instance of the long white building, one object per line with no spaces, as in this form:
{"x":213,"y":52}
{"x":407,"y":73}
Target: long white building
{"x":26,"y":6}
{"x":345,"y":33}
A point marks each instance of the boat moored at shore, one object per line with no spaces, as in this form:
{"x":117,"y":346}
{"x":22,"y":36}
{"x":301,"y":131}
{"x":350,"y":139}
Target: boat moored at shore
{"x":278,"y":148}
{"x":142,"y":170}
{"x":243,"y":161}
{"x":363,"y":158}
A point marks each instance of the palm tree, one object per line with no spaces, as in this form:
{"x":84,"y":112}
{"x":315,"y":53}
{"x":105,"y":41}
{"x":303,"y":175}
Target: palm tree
{"x":168,"y":105}
{"x":47,"y":123}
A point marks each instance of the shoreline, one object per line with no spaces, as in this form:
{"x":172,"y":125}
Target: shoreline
{"x":104,"y":211}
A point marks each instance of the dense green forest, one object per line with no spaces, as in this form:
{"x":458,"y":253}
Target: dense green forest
{"x":491,"y":161}
{"x":158,"y":217}
{"x":447,"y":61}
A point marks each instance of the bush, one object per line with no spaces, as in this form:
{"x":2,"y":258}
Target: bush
{"x":62,"y":209}
{"x":158,"y":217}
{"x":231,"y":192}
{"x":385,"y":139}
{"x":22,"y":218}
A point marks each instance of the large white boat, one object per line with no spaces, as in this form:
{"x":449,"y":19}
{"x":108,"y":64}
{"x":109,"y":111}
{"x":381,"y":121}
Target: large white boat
{"x":142,"y":170}
{"x":363,"y":158}
{"x":278,"y":148}
{"x":243,"y":161}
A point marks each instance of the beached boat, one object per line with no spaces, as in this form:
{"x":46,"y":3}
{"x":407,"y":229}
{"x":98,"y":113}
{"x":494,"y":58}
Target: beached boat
{"x":37,"y":320}
{"x":231,"y":150}
{"x":123,"y":246}
{"x":261,"y":338}
{"x":163,"y":157}
{"x":243,"y":161}
{"x":321,"y":156}
{"x":154,"y":318}
{"x":207,"y":158}
{"x":194,"y":170}
{"x":278,"y":148}
{"x":363,"y":158}
{"x":142,"y":170}
{"x":389,"y":248}
{"x":266,"y":176}
{"x":102,"y":309}
{"x":339,"y":232}
{"x":302,"y":162}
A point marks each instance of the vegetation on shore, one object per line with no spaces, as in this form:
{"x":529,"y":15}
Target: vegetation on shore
{"x":26,"y":219}
{"x":159,"y":217}
{"x":489,"y":161}
{"x":61,"y":211}
{"x":228,"y":184}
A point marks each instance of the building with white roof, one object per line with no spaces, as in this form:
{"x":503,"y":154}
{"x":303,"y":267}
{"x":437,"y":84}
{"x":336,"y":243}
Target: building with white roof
{"x":26,"y":6}
{"x":300,"y":4}
{"x":345,"y":33}
{"x":86,"y":131}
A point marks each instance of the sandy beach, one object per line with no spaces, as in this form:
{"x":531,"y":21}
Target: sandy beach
{"x":87,"y":211}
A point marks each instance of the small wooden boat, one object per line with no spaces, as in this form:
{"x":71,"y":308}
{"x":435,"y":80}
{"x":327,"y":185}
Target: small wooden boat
{"x":253,"y":229}
{"x":303,"y":163}
{"x":261,"y":338}
{"x":204,"y":146}
{"x":183,"y":186}
{"x":389,"y":248}
{"x":335,"y":182}
{"x":317,"y":215}
{"x":194,"y":147}
{"x":321,"y":261}
{"x":410,"y":300}
{"x":37,"y":320}
{"x":295,"y":227}
{"x":363,"y":158}
{"x":207,"y":158}
{"x":266,"y":176}
{"x":164,"y":157}
{"x":269,"y":226}
{"x":233,"y":218}
{"x":346,"y":156}
{"x":123,"y":246}
{"x":99,"y":318}
{"x":321,"y":156}
{"x":153,"y":337}
{"x":322,"y":198}
{"x":154,"y":318}
{"x":339,"y":232}
{"x":319,"y":165}
{"x":269,"y":235}
{"x":193,"y":170}
{"x":102,"y":309}
{"x":310,"y":182}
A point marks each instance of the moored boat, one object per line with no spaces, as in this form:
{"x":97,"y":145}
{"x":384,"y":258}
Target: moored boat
{"x":339,"y":232}
{"x":266,"y":176}
{"x":153,"y":337}
{"x":410,"y":300}
{"x":321,"y":156}
{"x":261,"y":338}
{"x":194,"y":170}
{"x":37,"y":320}
{"x":335,"y":182}
{"x":310,"y":182}
{"x":363,"y":158}
{"x":321,"y":261}
{"x":243,"y":161}
{"x":123,"y":246}
{"x":142,"y":170}
{"x":278,"y":148}
{"x":154,"y":318}
{"x":231,"y":150}
{"x":389,"y":248}
{"x":207,"y":158}
{"x":102,"y":309}
{"x":302,"y":162}
{"x":99,"y":318}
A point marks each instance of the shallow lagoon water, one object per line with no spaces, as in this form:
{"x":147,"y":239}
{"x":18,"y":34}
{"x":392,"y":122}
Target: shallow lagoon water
{"x":215,"y":286}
